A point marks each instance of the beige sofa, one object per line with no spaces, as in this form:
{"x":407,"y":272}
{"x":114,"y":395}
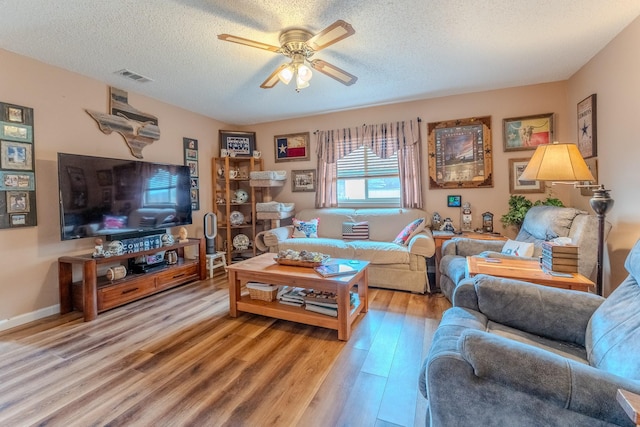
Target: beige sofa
{"x":392,"y":266}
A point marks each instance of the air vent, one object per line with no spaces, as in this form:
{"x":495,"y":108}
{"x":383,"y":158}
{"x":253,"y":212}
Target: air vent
{"x":133,"y":76}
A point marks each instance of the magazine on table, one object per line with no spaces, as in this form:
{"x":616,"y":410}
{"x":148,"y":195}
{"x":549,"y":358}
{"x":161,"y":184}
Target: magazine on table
{"x":338,"y":269}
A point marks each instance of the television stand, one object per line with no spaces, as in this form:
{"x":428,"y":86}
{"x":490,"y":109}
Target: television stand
{"x":93,"y":294}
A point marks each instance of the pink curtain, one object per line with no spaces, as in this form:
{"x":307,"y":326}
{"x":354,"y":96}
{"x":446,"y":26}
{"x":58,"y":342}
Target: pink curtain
{"x":384,"y":140}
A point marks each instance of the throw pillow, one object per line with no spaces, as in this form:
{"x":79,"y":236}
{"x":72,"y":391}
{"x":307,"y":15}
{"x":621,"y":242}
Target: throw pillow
{"x":355,"y":230}
{"x":513,"y":247}
{"x":409,"y":231}
{"x":305,"y":228}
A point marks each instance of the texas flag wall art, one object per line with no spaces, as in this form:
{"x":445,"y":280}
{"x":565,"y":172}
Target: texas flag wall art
{"x":292,"y":147}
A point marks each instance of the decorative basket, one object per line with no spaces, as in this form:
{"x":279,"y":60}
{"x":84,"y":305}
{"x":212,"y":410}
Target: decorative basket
{"x":260,"y":293}
{"x":298,"y":263}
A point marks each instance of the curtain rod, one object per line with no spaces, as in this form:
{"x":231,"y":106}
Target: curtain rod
{"x":318,"y":130}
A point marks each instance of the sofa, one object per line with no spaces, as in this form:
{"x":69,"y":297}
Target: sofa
{"x":392,"y":266}
{"x":520,"y":354}
{"x":541,"y":223}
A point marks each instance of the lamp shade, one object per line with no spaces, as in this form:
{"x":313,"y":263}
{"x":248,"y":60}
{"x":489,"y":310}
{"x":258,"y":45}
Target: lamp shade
{"x":557,"y":162}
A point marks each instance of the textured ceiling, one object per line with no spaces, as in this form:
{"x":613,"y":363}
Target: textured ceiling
{"x":402,"y":50}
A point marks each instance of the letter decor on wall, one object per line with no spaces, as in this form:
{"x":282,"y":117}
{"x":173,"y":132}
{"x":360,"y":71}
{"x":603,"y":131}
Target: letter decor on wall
{"x":191,"y":160}
{"x":17,"y":167}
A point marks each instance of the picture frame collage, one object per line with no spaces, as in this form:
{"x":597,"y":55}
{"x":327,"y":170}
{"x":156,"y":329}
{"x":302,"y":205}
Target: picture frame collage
{"x":17,"y":167}
{"x":191,"y":159}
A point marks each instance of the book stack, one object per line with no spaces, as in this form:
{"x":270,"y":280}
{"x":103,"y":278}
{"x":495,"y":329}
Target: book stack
{"x":325,"y":302}
{"x":563,"y":258}
{"x":290,"y":295}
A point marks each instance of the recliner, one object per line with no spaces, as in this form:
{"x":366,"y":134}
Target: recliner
{"x":517,"y":353}
{"x":541,"y":223}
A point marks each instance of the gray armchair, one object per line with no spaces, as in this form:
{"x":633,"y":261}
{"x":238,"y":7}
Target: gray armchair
{"x":541,"y":223}
{"x":520,"y":354}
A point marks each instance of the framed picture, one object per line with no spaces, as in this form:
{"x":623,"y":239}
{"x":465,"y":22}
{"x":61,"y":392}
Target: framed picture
{"x":17,"y":181}
{"x":16,"y":155}
{"x":190,"y":146}
{"x":105,"y":177}
{"x":241,"y":144}
{"x":18,"y":220}
{"x":17,"y":201}
{"x":592,"y":164}
{"x":15,"y":114}
{"x":460,"y":153}
{"x":526,"y":133}
{"x":106,"y":196}
{"x":516,"y":186}
{"x":16,"y":132}
{"x":294,"y":146}
{"x":303,"y":180}
{"x":587,"y":129}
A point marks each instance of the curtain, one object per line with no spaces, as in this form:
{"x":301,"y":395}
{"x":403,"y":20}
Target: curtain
{"x":384,"y":140}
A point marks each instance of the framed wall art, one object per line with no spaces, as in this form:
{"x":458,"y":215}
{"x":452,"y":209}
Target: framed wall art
{"x":191,"y":159}
{"x":16,"y":155}
{"x":526,"y":133}
{"x":460,"y":153}
{"x":17,"y":167}
{"x":294,"y":146}
{"x":516,"y":186}
{"x":240,"y":144}
{"x":303,"y":180}
{"x":587,"y":129}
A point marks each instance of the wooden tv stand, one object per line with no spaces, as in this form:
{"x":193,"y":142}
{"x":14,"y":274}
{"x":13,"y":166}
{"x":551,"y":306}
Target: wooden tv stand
{"x":95,"y":294}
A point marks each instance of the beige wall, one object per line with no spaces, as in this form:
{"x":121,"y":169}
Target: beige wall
{"x":613,"y":74}
{"x":498,"y":104}
{"x":28,"y":256}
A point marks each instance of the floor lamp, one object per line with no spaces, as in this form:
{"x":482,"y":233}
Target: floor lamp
{"x":564,"y":163}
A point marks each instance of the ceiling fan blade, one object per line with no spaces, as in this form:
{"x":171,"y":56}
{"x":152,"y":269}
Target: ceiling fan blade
{"x":247,"y":42}
{"x":333,"y":72}
{"x":273,"y":78}
{"x":332,"y":34}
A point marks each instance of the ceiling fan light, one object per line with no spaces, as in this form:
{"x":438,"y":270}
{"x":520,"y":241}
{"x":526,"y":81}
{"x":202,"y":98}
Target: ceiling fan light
{"x":286,"y":74}
{"x":304,"y":73}
{"x":300,"y":84}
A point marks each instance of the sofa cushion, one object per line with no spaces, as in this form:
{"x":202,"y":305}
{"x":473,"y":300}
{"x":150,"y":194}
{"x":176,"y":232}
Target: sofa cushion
{"x":305,"y":228}
{"x":613,"y":333}
{"x":413,"y":228}
{"x":548,"y":222}
{"x":330,"y":220}
{"x":379,"y":252}
{"x":332,"y":247}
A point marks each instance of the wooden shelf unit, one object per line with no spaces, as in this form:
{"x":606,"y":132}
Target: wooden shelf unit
{"x":224,"y":190}
{"x":93,"y":294}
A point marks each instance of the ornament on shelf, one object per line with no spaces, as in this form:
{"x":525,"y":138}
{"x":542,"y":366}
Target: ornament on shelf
{"x":436,"y":221}
{"x":447,"y":226}
{"x":466,"y":217}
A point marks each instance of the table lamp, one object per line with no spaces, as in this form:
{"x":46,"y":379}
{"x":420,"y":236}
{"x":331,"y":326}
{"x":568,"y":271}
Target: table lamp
{"x":564,"y":163}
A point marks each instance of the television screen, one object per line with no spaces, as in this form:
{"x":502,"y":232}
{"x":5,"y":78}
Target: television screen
{"x":110,"y":197}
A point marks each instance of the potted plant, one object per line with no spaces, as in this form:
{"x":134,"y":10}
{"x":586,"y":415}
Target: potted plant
{"x":520,"y":205}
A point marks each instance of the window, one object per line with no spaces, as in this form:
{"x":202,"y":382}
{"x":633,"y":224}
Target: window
{"x":365,"y":179}
{"x":161,"y":188}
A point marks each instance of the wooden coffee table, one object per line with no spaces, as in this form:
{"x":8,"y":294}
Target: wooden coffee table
{"x":264,"y":269}
{"x":528,"y":271}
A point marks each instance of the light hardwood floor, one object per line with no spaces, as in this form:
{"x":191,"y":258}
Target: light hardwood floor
{"x":178,"y":359}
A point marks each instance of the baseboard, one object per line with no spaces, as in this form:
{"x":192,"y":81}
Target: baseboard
{"x":29,"y":317}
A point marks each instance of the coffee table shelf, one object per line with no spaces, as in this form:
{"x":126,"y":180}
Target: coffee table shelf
{"x":264,"y":269}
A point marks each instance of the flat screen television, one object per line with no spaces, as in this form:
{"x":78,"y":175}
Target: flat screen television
{"x":114,"y":198}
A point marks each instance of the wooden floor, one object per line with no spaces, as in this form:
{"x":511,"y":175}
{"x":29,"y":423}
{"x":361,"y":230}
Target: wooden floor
{"x":177,"y":358}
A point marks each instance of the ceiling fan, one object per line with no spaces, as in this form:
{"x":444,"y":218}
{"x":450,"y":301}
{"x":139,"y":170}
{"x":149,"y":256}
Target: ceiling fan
{"x":300,"y":45}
